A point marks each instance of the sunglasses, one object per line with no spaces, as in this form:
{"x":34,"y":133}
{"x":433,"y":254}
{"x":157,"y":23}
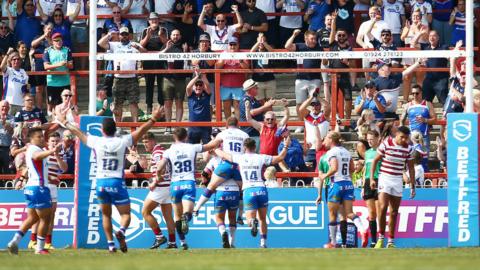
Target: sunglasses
{"x":269,"y":119}
{"x":67,"y":95}
{"x":57,"y":15}
{"x":341,"y":35}
{"x":29,"y":100}
{"x":220,"y":20}
{"x":57,"y":40}
{"x":124,"y":34}
{"x":199,"y":84}
{"x":15,"y":59}
{"x":116,"y":12}
{"x":386,"y":35}
{"x":415,"y":93}
{"x":3,"y":27}
{"x":232,"y":44}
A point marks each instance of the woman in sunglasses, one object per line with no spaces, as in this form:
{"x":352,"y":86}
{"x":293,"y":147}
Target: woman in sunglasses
{"x":61,"y":23}
{"x":28,"y":26}
{"x":15,"y":79}
{"x":67,"y":107}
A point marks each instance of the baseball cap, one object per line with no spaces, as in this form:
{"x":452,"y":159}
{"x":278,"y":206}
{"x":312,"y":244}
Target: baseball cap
{"x":281,"y":130}
{"x":215,"y":132}
{"x":153,"y":15}
{"x":249,"y":84}
{"x":204,"y":37}
{"x":233,"y":40}
{"x":381,"y":64}
{"x":370,"y":84}
{"x":386,"y":30}
{"x":57,"y":35}
{"x":315,"y":102}
{"x":124,"y":30}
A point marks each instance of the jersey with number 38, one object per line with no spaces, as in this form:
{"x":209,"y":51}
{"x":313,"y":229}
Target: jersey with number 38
{"x":343,"y":158}
{"x":181,"y":159}
{"x":110,"y":154}
{"x":250,"y":167}
{"x":233,"y":139}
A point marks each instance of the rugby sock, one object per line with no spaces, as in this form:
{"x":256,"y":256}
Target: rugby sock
{"x":182,"y":237}
{"x":343,"y":231}
{"x":356,"y":220}
{"x":157,"y":231}
{"x":263,"y":239}
{"x":18,"y":236}
{"x":221,"y":228}
{"x":122,"y":229}
{"x":332,"y":228}
{"x":373,"y":230}
{"x":233,"y":229}
{"x":178,"y":226}
{"x":171,"y":238}
{"x":40,"y":243}
{"x":48,"y":239}
{"x":240,"y":205}
{"x":207,"y":193}
{"x":33,"y":237}
{"x":381,"y":235}
{"x":391,"y":240}
{"x":111,"y":245}
{"x":188,"y":215}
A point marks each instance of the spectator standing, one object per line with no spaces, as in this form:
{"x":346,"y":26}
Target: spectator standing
{"x":316,"y":13}
{"x":323,"y":36}
{"x":135,"y":7}
{"x":394,"y":15}
{"x":458,"y":20}
{"x":79,"y":31}
{"x":153,"y":39}
{"x":174,"y":84}
{"x":30,"y":116}
{"x":185,"y":23}
{"x":48,"y":6}
{"x":27,"y":26}
{"x":67,"y":150}
{"x":231,"y":91}
{"x":305,"y":83}
{"x":425,"y":8}
{"x":266,"y":83}
{"x":24,"y":59}
{"x":289,"y":23}
{"x":125,"y":86}
{"x":7,"y":40}
{"x":268,"y":6}
{"x":209,"y":18}
{"x":440,"y":22}
{"x":293,"y":161}
{"x":104,"y":7}
{"x":345,"y":17}
{"x":204,"y":46}
{"x":39,"y":44}
{"x":117,"y":22}
{"x":221,"y":32}
{"x":254,"y":22}
{"x":8,"y":6}
{"x":61,"y":24}
{"x":198,"y":93}
{"x":15,"y":79}
{"x":369,"y":98}
{"x":435,"y":83}
{"x":103,"y":103}
{"x":6,"y":132}
{"x":57,"y":58}
{"x":165,"y":7}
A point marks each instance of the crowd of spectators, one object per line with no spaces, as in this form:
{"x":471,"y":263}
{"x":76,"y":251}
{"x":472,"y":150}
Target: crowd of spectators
{"x":41,"y":35}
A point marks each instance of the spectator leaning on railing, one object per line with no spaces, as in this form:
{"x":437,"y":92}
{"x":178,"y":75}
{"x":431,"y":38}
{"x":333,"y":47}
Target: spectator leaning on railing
{"x":198,"y":93}
{"x":15,"y":79}
{"x":6,"y":132}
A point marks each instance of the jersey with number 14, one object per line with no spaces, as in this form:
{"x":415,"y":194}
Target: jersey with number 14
{"x":110,"y":154}
{"x":233,"y":139}
{"x":343,"y":158}
{"x":250,"y":167}
{"x":181,"y":159}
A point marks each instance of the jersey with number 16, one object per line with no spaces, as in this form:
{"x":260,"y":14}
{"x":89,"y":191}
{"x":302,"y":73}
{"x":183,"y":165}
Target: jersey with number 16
{"x":233,"y":139}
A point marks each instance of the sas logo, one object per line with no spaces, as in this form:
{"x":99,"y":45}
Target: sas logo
{"x":462,"y":130}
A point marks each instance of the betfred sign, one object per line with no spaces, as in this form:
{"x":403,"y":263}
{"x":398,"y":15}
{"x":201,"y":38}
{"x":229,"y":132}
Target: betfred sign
{"x":463,"y":179}
{"x":13,"y":214}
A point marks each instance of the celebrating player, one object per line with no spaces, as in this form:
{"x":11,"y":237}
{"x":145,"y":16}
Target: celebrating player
{"x":341,"y":191}
{"x":159,"y":195}
{"x":37,"y":195}
{"x":370,"y":196}
{"x":394,"y":153}
{"x":232,"y":140}
{"x":110,"y":157}
{"x":181,"y":158}
{"x":255,"y":192}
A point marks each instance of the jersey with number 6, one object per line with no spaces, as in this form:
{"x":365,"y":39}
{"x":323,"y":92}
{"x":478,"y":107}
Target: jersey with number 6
{"x":233,"y":139}
{"x":181,"y":160}
{"x":343,"y":158}
{"x":110,"y":154}
{"x":250,"y":167}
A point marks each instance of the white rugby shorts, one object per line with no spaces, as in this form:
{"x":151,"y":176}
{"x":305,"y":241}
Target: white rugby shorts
{"x":160,"y":195}
{"x":393,"y":187}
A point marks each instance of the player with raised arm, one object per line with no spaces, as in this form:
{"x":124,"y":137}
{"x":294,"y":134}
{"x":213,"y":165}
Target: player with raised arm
{"x":231,"y":140}
{"x":394,"y":153}
{"x":255,"y":192}
{"x":341,"y":193}
{"x":110,"y":183}
{"x":37,"y":194}
{"x":180,"y":158}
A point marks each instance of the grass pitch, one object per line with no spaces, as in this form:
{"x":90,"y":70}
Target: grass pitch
{"x":248,"y":259}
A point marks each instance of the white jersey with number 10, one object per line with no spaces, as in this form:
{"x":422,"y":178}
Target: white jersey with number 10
{"x":110,"y":154}
{"x":233,"y":139}
{"x":343,"y":158}
{"x":181,"y":159}
{"x":250,"y":167}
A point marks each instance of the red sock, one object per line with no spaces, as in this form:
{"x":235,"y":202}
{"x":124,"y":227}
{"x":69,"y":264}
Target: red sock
{"x":33,"y":237}
{"x":48,"y":239}
{"x":157,"y":231}
{"x":171,"y":238}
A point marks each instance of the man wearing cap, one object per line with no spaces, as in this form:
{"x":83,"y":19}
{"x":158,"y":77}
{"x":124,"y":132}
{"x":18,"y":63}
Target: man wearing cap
{"x":198,"y":93}
{"x":254,"y":107}
{"x":204,"y":46}
{"x":293,"y":161}
{"x":221,"y":32}
{"x":384,"y":44}
{"x":153,"y":39}
{"x":231,"y":83}
{"x":388,"y":85}
{"x":369,"y":98}
{"x":57,"y":58}
{"x":125,"y":86}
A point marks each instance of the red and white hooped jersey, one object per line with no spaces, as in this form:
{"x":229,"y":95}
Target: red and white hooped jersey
{"x":394,"y":160}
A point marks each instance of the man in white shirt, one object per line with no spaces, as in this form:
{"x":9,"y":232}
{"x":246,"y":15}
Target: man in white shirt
{"x":221,"y":33}
{"x":136,"y":7}
{"x":425,"y":8}
{"x":394,"y":16}
{"x":125,"y":86}
{"x":289,"y":23}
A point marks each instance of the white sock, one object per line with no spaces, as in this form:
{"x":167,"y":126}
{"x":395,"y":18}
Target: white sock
{"x":333,"y":233}
{"x":232,"y":234}
{"x":16,"y":239}
{"x":358,"y":223}
{"x":263,"y":241}
{"x":240,"y":209}
{"x":221,"y":228}
{"x":40,"y":243}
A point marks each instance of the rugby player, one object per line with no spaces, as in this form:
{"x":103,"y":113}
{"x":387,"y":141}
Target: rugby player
{"x":159,"y":195}
{"x":37,"y":193}
{"x":180,"y":158}
{"x":341,"y":193}
{"x":110,"y":183}
{"x":394,"y":153}
{"x":255,"y":192}
{"x":232,"y":140}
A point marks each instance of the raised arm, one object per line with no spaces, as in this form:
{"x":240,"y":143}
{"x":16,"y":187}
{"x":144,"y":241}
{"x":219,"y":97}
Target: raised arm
{"x":103,"y":42}
{"x":239,"y":23}
{"x":290,"y":45}
{"x":201,"y":19}
{"x":286,"y":112}
{"x":139,"y":132}
{"x":43,"y":16}
{"x":186,"y":17}
{"x":410,"y":69}
{"x":302,"y":110}
{"x":11,"y":22}
{"x":74,"y":15}
{"x":281,"y":156}
{"x":40,"y":155}
{"x":4,"y":64}
{"x":255,"y":124}
{"x":125,"y":10}
{"x":19,"y":7}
